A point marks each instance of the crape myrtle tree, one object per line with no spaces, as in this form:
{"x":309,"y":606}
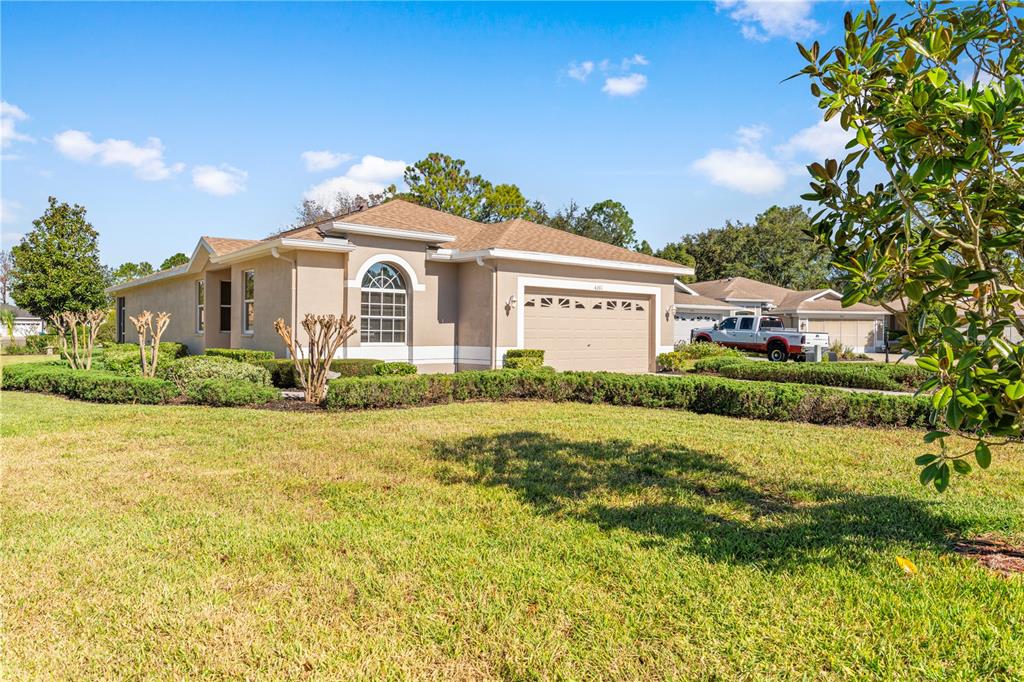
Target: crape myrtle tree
{"x":926,"y":210}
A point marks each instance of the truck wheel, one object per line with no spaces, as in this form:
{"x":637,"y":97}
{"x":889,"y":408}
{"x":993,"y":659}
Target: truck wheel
{"x":777,"y":354}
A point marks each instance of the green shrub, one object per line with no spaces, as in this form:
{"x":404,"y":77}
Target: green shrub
{"x":40,"y":342}
{"x":93,"y":385}
{"x":231,"y":392}
{"x":710,"y":395}
{"x":712,"y":365}
{"x":282,"y":372}
{"x":253,"y":357}
{"x":385,"y":369}
{"x":188,"y":372}
{"x":16,"y":349}
{"x":703,"y":349}
{"x":123,"y":358}
{"x":850,"y":375}
{"x":524,"y":358}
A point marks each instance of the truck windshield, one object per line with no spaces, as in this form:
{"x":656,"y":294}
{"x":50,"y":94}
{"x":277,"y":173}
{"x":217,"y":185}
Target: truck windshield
{"x":771,"y":323}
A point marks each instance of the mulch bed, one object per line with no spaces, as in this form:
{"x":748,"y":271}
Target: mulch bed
{"x":992,"y":553}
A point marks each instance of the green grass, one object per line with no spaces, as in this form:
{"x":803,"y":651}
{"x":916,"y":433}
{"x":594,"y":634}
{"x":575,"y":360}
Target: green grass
{"x":18,"y":359}
{"x":521,"y":540}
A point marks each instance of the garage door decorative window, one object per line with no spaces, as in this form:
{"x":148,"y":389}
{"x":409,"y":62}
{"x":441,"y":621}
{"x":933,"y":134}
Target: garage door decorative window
{"x":559,"y":302}
{"x":382,"y":311}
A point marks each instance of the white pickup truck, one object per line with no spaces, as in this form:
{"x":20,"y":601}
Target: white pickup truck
{"x":762,"y":334}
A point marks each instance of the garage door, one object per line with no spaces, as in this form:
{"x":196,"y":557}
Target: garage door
{"x":686,"y":322}
{"x":856,"y":334}
{"x":585,"y":331}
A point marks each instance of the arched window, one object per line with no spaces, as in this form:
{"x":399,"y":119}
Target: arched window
{"x":382,"y":310}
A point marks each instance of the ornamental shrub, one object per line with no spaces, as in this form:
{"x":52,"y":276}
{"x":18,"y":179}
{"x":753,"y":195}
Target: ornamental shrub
{"x":282,"y":372}
{"x":123,"y":358}
{"x":231,"y":392}
{"x":186,"y":373}
{"x":524,"y":358}
{"x":241,"y":354}
{"x":850,"y":375}
{"x":93,"y":385}
{"x":384,"y":369}
{"x":703,"y":349}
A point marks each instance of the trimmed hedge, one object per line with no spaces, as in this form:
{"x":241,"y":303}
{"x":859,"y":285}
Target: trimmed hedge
{"x":231,"y":393}
{"x":189,"y":372}
{"x":524,"y":358}
{"x":675,"y":361}
{"x":282,"y":372}
{"x":93,"y":385}
{"x":241,"y":354}
{"x":386,"y":369}
{"x":123,"y":358}
{"x":851,"y":375}
{"x":706,"y":395}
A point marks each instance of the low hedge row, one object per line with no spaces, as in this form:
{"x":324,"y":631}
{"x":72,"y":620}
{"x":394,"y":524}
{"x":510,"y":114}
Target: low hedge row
{"x":282,"y":372}
{"x":93,"y":385}
{"x":123,"y":358}
{"x":194,"y":370}
{"x":241,"y":354}
{"x":701,"y":394}
{"x":850,"y":375}
{"x":388,"y":369}
{"x":231,"y":393}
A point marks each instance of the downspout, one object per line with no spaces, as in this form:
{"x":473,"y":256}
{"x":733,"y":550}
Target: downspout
{"x":494,"y":309}
{"x":295,"y":289}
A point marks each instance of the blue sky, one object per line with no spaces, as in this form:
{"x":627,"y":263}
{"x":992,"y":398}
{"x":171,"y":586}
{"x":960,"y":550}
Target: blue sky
{"x":171,"y":121}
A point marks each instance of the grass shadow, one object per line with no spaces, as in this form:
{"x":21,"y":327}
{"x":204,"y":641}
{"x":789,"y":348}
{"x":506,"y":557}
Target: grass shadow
{"x":697,"y":500}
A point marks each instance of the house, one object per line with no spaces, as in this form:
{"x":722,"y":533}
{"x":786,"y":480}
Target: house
{"x":25,"y":323}
{"x":426,"y":287}
{"x":860,"y":326}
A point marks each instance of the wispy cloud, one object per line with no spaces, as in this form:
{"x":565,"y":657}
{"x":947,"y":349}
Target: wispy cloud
{"x":10,"y":117}
{"x":324,"y":160}
{"x":625,"y":86}
{"x":147,"y":159}
{"x":223,"y":180}
{"x":8,"y":211}
{"x":371,"y":175}
{"x":824,"y":139}
{"x":744,"y":168}
{"x":580,"y":71}
{"x":762,"y":20}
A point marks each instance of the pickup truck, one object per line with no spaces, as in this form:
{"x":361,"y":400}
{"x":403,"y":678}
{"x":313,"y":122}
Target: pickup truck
{"x":762,"y":334}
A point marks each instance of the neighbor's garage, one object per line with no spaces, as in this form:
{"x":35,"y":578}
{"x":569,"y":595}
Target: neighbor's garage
{"x":687,"y":322}
{"x":586,"y":331}
{"x":860,"y":335}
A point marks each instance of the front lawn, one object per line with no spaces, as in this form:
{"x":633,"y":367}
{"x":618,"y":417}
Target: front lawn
{"x":482,"y":540}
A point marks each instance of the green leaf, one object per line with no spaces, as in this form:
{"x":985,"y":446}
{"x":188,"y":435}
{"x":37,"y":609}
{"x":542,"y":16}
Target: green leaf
{"x":954,"y":414}
{"x":982,"y":455}
{"x":929,"y":473}
{"x":942,"y":480}
{"x":928,"y":363}
{"x":961,"y":467}
{"x":917,"y":47}
{"x":1015,"y":391}
{"x":922,"y":460}
{"x":937,"y":76}
{"x":915,"y":290}
{"x":933,"y":436}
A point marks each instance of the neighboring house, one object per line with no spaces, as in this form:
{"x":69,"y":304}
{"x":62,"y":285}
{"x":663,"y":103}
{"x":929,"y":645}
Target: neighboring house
{"x":860,"y":326}
{"x":426,"y":287}
{"x":25,"y":323}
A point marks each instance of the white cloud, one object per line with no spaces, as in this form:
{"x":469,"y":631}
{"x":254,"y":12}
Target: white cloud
{"x":745,"y":170}
{"x":8,"y":211}
{"x":763,"y":20}
{"x":825,"y":139}
{"x":635,"y":60}
{"x":324,"y":160}
{"x":222,"y":181}
{"x":147,"y":160}
{"x":749,"y":135}
{"x":580,"y":71}
{"x":625,"y":86}
{"x":371,"y":175}
{"x":10,"y":116}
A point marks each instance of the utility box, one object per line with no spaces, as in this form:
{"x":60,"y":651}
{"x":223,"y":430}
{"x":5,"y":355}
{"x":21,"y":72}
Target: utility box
{"x":814,"y":354}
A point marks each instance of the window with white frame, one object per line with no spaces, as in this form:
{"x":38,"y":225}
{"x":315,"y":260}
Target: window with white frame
{"x":248,"y":301}
{"x":200,"y":306}
{"x":382,"y":310}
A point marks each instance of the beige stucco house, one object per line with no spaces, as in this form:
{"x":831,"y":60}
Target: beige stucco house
{"x":860,"y":326}
{"x":425,"y":287}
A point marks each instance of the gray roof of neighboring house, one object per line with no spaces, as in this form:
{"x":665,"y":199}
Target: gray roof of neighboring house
{"x":684,"y":299}
{"x":16,"y":311}
{"x":742,"y":289}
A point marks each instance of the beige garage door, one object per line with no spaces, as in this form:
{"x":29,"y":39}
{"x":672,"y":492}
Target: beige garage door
{"x":856,"y":334}
{"x":586,"y":331}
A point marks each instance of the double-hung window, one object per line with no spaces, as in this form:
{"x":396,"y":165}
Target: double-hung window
{"x":382,"y":309}
{"x":225,"y":306}
{"x":248,"y":301}
{"x":200,"y":306}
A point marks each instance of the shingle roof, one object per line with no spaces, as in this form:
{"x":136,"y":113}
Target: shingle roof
{"x":684,"y":299}
{"x":741,"y":288}
{"x":222,"y":245}
{"x":15,"y":310}
{"x":517,"y":234}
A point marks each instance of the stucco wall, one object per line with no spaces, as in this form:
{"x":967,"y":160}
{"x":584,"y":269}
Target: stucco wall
{"x":272,"y":298}
{"x":175,"y":296}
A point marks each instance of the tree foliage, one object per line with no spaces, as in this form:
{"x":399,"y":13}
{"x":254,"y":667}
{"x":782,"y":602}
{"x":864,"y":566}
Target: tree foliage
{"x":934,"y":105}
{"x":6,"y":273}
{"x":57,"y":264}
{"x":774,"y":248}
{"x":606,"y":221}
{"x":314,"y":210}
{"x":129,"y":271}
{"x":174,"y":261}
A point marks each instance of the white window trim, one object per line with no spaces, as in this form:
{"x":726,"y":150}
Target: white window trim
{"x":406,"y":318}
{"x":407,"y":271}
{"x":200,"y":314}
{"x":246,"y":329}
{"x":583,"y":285}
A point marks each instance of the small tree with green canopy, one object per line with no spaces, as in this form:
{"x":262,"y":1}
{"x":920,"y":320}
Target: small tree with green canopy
{"x":934,"y":105}
{"x":57,"y":264}
{"x":174,"y":261}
